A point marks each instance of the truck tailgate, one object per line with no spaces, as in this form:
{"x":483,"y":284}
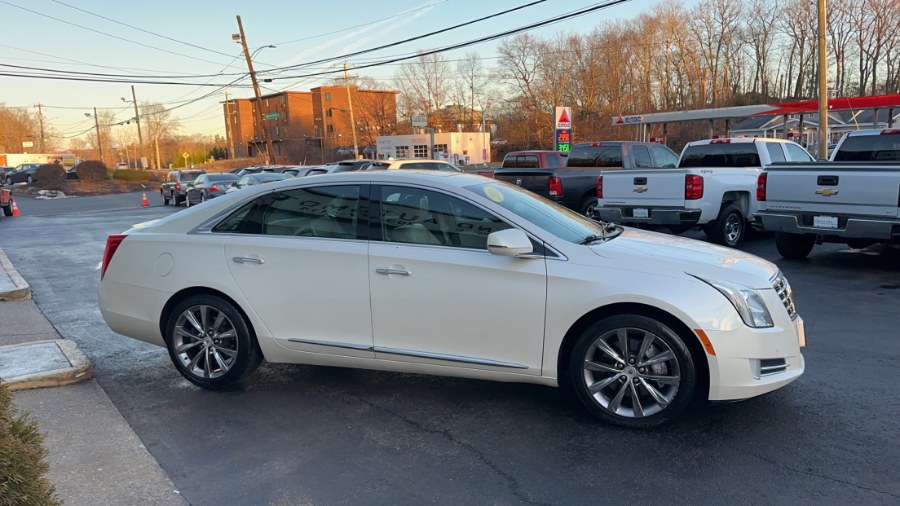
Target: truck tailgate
{"x":835,"y":189}
{"x":534,"y":180}
{"x":644,"y":188}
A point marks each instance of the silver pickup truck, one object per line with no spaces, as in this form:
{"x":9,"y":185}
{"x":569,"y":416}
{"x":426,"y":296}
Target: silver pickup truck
{"x":855,"y":199}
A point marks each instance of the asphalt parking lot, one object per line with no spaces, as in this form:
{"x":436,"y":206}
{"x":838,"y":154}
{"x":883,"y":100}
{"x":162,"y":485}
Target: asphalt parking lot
{"x":317,"y":435}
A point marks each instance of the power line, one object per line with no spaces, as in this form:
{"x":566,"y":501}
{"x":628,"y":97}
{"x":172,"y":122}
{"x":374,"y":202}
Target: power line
{"x":139,"y":28}
{"x":70,"y":23}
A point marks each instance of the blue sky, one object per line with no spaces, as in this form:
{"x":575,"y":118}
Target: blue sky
{"x":302,"y":31}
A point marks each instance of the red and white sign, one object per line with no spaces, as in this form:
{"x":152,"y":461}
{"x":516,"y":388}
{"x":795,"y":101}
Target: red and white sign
{"x":627,"y":120}
{"x":563,"y":115}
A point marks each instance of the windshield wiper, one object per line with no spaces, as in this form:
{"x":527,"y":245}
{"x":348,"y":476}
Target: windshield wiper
{"x":593,"y":238}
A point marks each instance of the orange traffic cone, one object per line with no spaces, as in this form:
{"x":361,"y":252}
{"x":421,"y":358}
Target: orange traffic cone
{"x":15,"y":208}
{"x":144,"y":201}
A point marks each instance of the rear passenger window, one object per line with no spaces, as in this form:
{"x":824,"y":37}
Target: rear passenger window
{"x":641,"y":157}
{"x":775,"y":152}
{"x":797,"y":154}
{"x":319,"y":211}
{"x":595,"y":156}
{"x":553,"y":161}
{"x":664,"y":157}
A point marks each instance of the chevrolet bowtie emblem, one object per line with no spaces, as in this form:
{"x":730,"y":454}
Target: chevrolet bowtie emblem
{"x":826,"y":192}
{"x":639,"y":189}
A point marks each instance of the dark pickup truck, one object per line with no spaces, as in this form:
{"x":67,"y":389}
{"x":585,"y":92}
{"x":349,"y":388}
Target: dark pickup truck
{"x":175,"y":187}
{"x":575,"y":184}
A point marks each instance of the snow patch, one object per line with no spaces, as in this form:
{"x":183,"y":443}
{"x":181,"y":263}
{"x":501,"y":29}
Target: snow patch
{"x":52,"y":194}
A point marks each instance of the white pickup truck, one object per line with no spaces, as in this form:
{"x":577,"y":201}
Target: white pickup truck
{"x":855,"y":199}
{"x":714,"y":187}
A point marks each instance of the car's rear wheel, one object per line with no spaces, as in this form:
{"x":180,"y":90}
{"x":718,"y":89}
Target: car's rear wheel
{"x":210,"y":342}
{"x":203,"y":197}
{"x":794,"y":246}
{"x":729,"y":228}
{"x":588,"y":206}
{"x":7,"y":209}
{"x":165,"y":198}
{"x":9,"y":181}
{"x":29,"y":179}
{"x":632,"y":371}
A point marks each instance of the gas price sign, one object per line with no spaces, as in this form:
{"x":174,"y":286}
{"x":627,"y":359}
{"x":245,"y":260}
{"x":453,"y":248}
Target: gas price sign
{"x":563,"y":139}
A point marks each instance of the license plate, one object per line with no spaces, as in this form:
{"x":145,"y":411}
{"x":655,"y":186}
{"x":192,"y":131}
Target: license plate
{"x":801,"y":332}
{"x":640,"y":212}
{"x":825,"y":221}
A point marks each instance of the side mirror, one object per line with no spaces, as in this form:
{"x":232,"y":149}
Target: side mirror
{"x":509,"y":243}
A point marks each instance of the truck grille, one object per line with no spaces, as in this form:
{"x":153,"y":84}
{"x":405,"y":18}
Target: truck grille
{"x":783,"y":289}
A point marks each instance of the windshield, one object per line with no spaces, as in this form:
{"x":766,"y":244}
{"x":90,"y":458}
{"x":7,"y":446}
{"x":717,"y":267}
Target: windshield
{"x":869,"y":148}
{"x":550,"y":216}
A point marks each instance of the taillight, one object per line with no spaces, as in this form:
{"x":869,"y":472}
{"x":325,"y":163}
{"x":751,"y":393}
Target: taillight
{"x":112,"y":244}
{"x":214,"y":188}
{"x":178,"y":186}
{"x":693,"y":187}
{"x":761,"y":186}
{"x":717,"y":140}
{"x":890,"y":131}
{"x":555,"y":187}
{"x":600,"y":187}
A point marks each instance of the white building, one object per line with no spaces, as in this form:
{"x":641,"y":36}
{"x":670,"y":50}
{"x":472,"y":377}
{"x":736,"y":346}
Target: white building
{"x":458,"y":148}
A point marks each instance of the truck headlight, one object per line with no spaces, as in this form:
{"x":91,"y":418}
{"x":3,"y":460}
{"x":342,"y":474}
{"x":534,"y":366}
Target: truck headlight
{"x":746,"y":301}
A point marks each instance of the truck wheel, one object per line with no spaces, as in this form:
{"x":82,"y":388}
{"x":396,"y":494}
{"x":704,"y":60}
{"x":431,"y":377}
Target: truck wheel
{"x":794,"y":246}
{"x":165,"y":198}
{"x":7,"y":210}
{"x":587,"y":207}
{"x":632,"y":371}
{"x":729,"y":228}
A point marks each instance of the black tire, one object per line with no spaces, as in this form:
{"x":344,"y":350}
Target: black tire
{"x":794,"y":246}
{"x":7,"y":210}
{"x":29,"y":179}
{"x":9,"y":181}
{"x":187,"y":200}
{"x":729,"y":228}
{"x":202,"y":197}
{"x":165,"y":198}
{"x":205,"y":360}
{"x":587,"y":206}
{"x":608,"y":383}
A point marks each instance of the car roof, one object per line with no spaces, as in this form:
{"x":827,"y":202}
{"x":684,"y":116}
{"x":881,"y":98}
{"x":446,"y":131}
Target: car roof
{"x":736,"y":140}
{"x":874,"y":131}
{"x":532,"y":152}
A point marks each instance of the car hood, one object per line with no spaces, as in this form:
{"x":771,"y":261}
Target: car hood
{"x":672,"y":255}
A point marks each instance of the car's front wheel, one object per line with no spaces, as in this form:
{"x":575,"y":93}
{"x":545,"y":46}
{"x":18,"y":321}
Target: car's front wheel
{"x":210,"y":342}
{"x":633,"y":371}
{"x":9,"y":181}
{"x":29,"y":179}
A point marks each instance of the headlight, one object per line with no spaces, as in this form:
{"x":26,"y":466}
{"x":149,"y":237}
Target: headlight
{"x":745,"y":300}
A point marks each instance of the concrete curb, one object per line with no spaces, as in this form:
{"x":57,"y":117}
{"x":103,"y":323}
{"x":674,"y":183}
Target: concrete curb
{"x":79,"y":367}
{"x":22,"y":290}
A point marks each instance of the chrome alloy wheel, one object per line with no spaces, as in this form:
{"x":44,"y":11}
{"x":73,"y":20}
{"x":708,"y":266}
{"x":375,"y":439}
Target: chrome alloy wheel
{"x":733,"y":228}
{"x":205,"y":341}
{"x":631,"y":372}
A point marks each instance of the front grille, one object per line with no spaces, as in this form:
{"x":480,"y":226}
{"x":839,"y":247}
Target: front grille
{"x":772,"y":366}
{"x":783,"y":289}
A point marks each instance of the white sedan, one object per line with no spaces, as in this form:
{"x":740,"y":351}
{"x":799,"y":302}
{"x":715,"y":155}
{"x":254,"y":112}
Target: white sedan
{"x":452,"y":274}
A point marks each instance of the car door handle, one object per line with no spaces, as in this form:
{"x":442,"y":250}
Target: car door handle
{"x":387,"y":271}
{"x":247,"y":260}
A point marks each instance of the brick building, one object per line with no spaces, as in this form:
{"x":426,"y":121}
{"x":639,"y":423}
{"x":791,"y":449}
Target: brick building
{"x":310,"y":126}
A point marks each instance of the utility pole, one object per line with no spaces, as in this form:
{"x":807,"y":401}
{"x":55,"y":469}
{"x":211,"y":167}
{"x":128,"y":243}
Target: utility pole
{"x":352,"y":122}
{"x":270,"y":151}
{"x":228,"y":125}
{"x":137,"y":118}
{"x":99,"y":141}
{"x":41,"y":119}
{"x":823,"y":86}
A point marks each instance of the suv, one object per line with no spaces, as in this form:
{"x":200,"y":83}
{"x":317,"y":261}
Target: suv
{"x":175,"y":187}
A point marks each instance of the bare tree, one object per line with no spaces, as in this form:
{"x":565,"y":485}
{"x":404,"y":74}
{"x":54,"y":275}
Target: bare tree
{"x":425,"y":84}
{"x":161,"y":129}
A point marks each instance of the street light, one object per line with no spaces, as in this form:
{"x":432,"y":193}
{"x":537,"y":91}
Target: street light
{"x":137,"y":118}
{"x":97,"y":126}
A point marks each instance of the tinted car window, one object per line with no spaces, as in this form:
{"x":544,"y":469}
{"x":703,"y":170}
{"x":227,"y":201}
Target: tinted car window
{"x":741,"y":154}
{"x":664,"y":157}
{"x":244,"y":220}
{"x":553,"y":161}
{"x":528,"y":162}
{"x":322,"y":211}
{"x":775,"y":152}
{"x":595,"y":156}
{"x":641,"y":156}
{"x":869,"y":148}
{"x":417,"y":216}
